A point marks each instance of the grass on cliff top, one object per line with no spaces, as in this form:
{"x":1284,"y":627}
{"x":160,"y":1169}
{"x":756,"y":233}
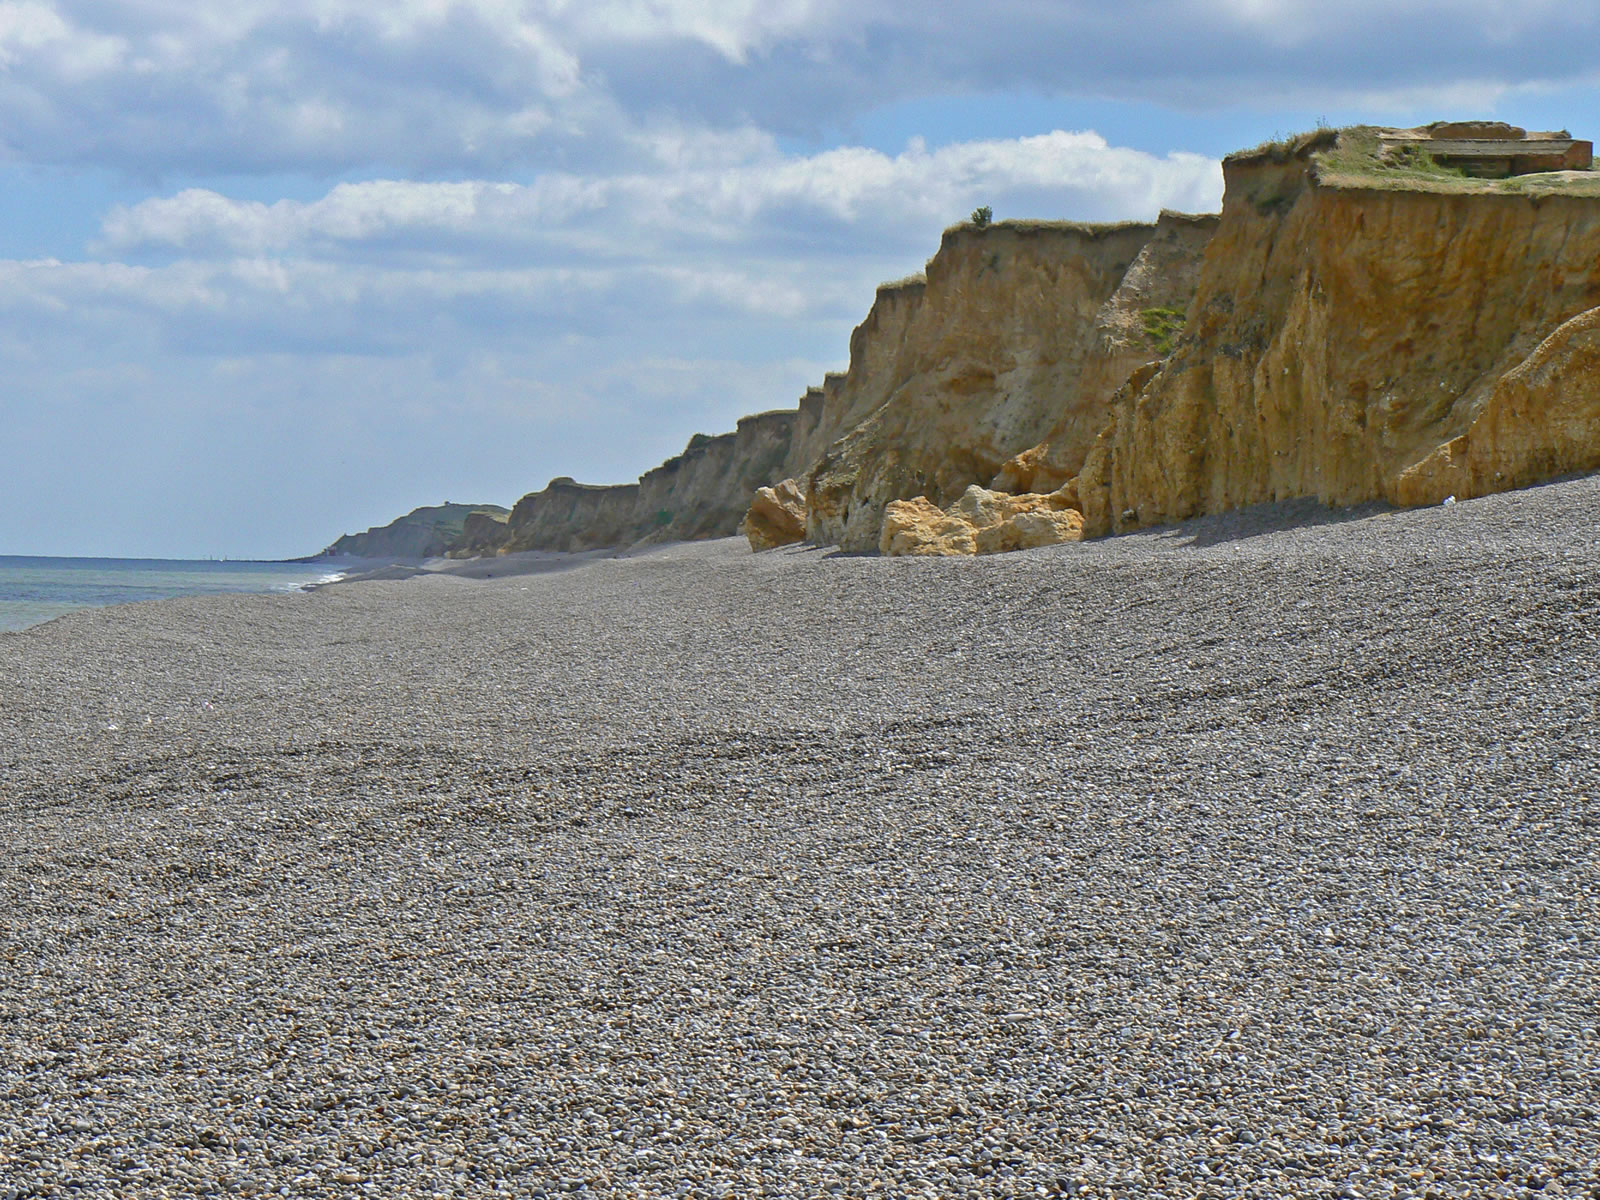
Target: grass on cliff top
{"x":1287,"y":149}
{"x":1353,"y":159}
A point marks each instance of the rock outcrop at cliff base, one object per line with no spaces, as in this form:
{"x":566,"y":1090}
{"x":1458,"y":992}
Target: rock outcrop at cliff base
{"x":980,"y":522}
{"x":777,"y":516}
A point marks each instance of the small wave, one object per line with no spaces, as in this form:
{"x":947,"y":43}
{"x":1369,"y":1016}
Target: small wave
{"x":308,"y":585}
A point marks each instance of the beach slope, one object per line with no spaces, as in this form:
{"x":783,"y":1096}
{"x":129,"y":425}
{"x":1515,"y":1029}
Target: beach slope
{"x":1256,"y":855}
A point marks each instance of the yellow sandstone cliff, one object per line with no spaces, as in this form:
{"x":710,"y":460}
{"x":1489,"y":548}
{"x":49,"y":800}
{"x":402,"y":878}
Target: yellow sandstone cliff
{"x":1367,"y":326}
{"x":1140,"y":324}
{"x":705,"y":491}
{"x":571,"y":516}
{"x":1378,"y":314}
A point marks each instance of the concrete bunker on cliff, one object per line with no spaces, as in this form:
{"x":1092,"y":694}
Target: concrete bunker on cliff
{"x":1488,"y":149}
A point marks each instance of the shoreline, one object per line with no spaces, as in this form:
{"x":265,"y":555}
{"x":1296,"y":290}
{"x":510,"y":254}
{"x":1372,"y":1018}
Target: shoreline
{"x":37,"y":589}
{"x":525,"y":562}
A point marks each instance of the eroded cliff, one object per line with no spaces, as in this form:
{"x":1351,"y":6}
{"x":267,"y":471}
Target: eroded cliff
{"x":568,"y":515}
{"x":1366,"y":328}
{"x":1141,"y":323}
{"x":1402,"y":315}
{"x":705,"y":491}
{"x":953,"y":374}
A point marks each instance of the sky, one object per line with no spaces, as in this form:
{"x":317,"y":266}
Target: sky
{"x":275,"y":270}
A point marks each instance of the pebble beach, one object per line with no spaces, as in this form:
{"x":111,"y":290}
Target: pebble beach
{"x":1258,"y":856}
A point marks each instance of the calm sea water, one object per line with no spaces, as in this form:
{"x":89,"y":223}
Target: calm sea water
{"x":34,"y":590}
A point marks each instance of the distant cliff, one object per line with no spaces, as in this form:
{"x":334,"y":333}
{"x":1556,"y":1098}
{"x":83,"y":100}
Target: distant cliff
{"x":422,"y":533}
{"x":701,"y":493}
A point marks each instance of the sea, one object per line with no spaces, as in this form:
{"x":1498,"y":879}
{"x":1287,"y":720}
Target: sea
{"x":36,"y":590}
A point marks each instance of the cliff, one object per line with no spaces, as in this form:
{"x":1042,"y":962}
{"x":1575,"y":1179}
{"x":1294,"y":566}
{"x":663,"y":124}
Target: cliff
{"x":704,"y":492}
{"x":1007,"y":339}
{"x":811,"y":434}
{"x":422,"y":533}
{"x":700,"y":493}
{"x":1377,"y":314}
{"x":1368,"y":325}
{"x":568,"y":515}
{"x":481,"y":533}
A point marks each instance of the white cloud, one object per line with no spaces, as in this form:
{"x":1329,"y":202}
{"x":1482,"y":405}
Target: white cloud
{"x":865,"y":190}
{"x":24,"y":28}
{"x":734,"y":28}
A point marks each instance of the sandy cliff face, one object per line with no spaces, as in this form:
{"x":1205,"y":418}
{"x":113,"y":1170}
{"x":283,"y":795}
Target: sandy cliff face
{"x":1542,"y":420}
{"x":951,"y":376}
{"x":481,"y":533}
{"x":810,"y":436}
{"x":882,"y":357}
{"x":568,"y":515}
{"x":705,"y":491}
{"x":1348,"y":330}
{"x":1141,"y":323}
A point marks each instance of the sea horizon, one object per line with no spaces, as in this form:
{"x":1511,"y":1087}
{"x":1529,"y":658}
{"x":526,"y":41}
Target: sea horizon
{"x":36,"y":588}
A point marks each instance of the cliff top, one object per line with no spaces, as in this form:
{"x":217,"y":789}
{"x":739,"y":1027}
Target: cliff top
{"x":566,"y":483}
{"x":1032,"y":228}
{"x":1458,"y":157}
